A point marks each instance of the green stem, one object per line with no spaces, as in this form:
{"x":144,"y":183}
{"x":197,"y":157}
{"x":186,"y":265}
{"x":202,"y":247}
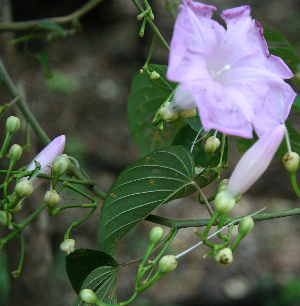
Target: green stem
{"x":5,"y":78}
{"x":221,"y":156}
{"x":152,"y":25}
{"x":68,"y":185}
{"x":238,"y":239}
{"x":74,"y":224}
{"x":21,"y":226}
{"x":150,"y":53}
{"x":18,"y":271}
{"x":130,"y":300}
{"x":294,"y":183}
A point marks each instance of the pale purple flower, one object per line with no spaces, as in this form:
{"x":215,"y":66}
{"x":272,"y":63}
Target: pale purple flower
{"x":227,"y":73}
{"x":254,"y":162}
{"x":46,"y":157}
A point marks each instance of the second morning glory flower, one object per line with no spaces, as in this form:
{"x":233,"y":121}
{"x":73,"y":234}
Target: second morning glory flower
{"x":227,"y":73}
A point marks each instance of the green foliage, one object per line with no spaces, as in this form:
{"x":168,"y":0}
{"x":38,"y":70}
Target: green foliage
{"x":296,"y":104}
{"x":158,"y":178}
{"x":43,"y":58}
{"x":280,"y":47}
{"x":96,"y":266}
{"x":52,"y":27}
{"x":143,"y":102}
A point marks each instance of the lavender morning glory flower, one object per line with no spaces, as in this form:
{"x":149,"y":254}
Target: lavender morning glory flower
{"x":46,"y":157}
{"x":227,"y":73}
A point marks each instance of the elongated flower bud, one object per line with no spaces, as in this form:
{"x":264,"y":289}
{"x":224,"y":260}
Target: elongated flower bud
{"x":46,"y":157}
{"x":254,"y":162}
{"x":291,"y":161}
{"x":12,"y":124}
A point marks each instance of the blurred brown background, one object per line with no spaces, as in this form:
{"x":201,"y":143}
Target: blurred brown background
{"x":86,"y":101}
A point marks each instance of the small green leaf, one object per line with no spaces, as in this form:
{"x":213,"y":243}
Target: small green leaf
{"x":83,"y":261}
{"x":43,"y":58}
{"x":143,"y":102}
{"x":155,"y":179}
{"x":53,"y":27}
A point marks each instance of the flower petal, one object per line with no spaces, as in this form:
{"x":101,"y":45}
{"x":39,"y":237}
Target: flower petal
{"x":195,"y":37}
{"x":254,"y":162}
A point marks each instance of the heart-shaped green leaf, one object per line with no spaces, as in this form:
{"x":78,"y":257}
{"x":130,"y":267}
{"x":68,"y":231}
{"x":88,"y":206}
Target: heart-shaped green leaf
{"x":155,"y":179}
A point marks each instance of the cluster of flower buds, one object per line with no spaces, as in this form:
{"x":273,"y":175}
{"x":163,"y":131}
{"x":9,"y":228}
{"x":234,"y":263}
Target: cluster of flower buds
{"x":167,"y":113}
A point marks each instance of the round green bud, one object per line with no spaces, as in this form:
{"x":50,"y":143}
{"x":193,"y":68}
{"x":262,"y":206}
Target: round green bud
{"x":211,"y":145}
{"x":154,"y":75}
{"x":223,"y":204}
{"x":12,"y":124}
{"x":156,"y":234}
{"x":167,"y":114}
{"x":188,"y":113}
{"x":223,"y":185}
{"x":24,"y":189}
{"x":291,"y":161}
{"x":245,"y":226}
{"x":51,"y":198}
{"x":167,"y":264}
{"x":89,"y":297}
{"x":224,"y":257}
{"x":68,"y":246}
{"x":15,"y":153}
{"x":60,"y":165}
{"x":3,"y":218}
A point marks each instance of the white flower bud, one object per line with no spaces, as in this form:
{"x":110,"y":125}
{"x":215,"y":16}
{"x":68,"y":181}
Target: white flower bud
{"x":3,"y":218}
{"x":12,"y":124}
{"x":291,"y":161}
{"x":223,"y":203}
{"x":245,"y":226}
{"x":24,"y":189}
{"x":167,"y":264}
{"x":68,"y":246}
{"x":224,"y":257}
{"x":188,"y":113}
{"x":156,"y":234}
{"x":89,"y":297}
{"x":211,"y":144}
{"x":51,"y":198}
